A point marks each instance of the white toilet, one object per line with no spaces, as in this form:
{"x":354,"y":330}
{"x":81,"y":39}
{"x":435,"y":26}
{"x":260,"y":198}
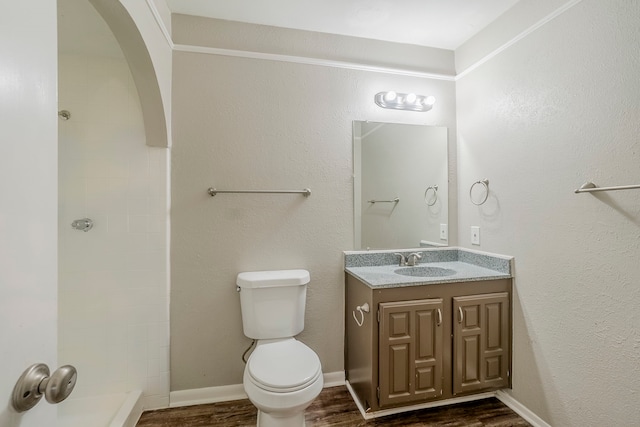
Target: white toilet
{"x":283,"y":376}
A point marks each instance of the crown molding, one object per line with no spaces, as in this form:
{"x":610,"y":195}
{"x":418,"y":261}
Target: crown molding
{"x":353,"y":65}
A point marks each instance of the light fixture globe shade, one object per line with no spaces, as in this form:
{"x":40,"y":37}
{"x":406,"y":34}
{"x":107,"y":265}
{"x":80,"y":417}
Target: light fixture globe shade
{"x":429,"y":100}
{"x":390,"y":96}
{"x":411,"y":98}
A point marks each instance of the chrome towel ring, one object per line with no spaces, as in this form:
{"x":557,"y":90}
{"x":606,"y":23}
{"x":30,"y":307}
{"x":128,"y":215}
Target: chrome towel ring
{"x":432,"y":201}
{"x":485,"y":183}
{"x":362,"y":309}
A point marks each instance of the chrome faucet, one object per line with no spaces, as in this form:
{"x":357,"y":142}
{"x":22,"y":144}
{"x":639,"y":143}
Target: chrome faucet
{"x":413,"y":258}
{"x":403,"y":260}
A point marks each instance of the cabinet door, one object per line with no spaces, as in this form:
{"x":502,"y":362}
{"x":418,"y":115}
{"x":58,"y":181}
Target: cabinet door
{"x":481,"y":342}
{"x":410,"y":358}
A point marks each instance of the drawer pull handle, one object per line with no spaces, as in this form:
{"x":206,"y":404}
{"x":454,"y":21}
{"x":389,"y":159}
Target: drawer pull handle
{"x":439,"y":317}
{"x":460,"y":315}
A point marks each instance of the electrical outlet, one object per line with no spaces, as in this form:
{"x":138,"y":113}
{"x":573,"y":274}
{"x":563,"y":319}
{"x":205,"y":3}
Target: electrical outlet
{"x":444,"y":231}
{"x":475,"y":235}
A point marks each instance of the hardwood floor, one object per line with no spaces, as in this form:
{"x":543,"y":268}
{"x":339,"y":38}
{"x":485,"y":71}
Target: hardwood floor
{"x":335,"y":407}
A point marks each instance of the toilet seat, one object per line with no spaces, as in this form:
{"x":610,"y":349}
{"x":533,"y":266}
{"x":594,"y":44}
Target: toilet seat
{"x":283,"y":366}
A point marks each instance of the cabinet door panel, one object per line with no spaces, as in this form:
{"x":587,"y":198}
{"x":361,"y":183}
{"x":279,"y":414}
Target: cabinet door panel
{"x":399,"y":325}
{"x":471,"y":357}
{"x":493,"y":367}
{"x":481,"y":342}
{"x":425,"y":379}
{"x":399,"y":370}
{"x":426,"y":344}
{"x":410,"y":357}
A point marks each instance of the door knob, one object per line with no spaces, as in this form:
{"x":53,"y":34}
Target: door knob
{"x":60,"y":384}
{"x":36,"y":382}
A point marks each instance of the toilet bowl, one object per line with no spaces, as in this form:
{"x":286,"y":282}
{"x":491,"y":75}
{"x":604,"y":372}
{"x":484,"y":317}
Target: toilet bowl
{"x":282,"y":376}
{"x":281,"y":379}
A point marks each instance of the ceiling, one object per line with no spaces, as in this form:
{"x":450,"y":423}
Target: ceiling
{"x":444,"y":24}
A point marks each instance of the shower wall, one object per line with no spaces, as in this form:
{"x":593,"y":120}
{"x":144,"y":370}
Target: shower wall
{"x":113,"y":291}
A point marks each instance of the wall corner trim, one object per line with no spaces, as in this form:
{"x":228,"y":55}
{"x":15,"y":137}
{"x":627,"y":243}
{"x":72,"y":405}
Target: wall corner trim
{"x":550,"y":17}
{"x":520,"y":409}
{"x":163,"y":28}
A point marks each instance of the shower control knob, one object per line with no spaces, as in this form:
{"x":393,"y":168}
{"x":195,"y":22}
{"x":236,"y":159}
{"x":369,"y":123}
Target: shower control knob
{"x":35,"y":382}
{"x":60,"y":384}
{"x":84,"y":224}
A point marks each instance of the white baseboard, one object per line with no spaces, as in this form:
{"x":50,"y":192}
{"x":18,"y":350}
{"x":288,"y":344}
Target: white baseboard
{"x":501,"y":395}
{"x":520,"y":409}
{"x":361,"y":408}
{"x":399,"y":410}
{"x":226,"y":393}
{"x":333,"y":379}
{"x":200,"y":396}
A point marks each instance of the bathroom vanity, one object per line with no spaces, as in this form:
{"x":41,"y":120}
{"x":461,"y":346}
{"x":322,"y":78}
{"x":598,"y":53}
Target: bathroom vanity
{"x":434,"y":332}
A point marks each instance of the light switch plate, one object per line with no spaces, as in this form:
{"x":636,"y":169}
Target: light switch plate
{"x":444,"y":231}
{"x":475,"y":235}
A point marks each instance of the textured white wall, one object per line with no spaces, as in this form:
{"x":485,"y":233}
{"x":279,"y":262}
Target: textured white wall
{"x":113,"y":298}
{"x":254,"y":124}
{"x":558,"y":108}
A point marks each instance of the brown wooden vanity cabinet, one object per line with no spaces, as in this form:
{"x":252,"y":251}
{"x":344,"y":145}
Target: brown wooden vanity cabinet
{"x":410,"y":351}
{"x":428,"y":342}
{"x":481,"y":342}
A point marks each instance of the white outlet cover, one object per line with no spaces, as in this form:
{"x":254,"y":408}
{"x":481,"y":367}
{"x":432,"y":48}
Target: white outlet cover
{"x":444,"y":232}
{"x":475,"y":235}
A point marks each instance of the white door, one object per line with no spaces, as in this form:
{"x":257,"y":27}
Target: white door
{"x":28,"y":200}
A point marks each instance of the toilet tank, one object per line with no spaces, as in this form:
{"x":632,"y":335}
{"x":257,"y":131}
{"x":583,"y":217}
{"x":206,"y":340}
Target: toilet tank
{"x":273,"y":302}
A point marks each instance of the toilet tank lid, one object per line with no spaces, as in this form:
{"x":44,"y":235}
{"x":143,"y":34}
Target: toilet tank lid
{"x":264,"y":279}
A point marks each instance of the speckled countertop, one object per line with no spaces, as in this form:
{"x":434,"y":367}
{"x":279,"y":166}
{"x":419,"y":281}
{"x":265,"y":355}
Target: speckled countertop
{"x":377,"y":269}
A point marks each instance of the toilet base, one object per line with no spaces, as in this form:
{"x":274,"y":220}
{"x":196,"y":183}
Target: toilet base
{"x":287,"y":420}
{"x":283,"y":407}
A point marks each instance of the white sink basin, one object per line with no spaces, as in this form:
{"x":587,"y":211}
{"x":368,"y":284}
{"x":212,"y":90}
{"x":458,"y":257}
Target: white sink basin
{"x":424,"y":271}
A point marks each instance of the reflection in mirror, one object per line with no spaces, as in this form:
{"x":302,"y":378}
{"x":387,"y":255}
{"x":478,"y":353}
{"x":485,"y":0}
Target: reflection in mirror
{"x":397,"y":168}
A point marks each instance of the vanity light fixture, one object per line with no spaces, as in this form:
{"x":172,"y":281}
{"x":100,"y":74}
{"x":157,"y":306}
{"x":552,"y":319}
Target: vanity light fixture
{"x":404,"y":101}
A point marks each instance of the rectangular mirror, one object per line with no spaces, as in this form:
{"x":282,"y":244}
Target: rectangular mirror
{"x":400,"y":185}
